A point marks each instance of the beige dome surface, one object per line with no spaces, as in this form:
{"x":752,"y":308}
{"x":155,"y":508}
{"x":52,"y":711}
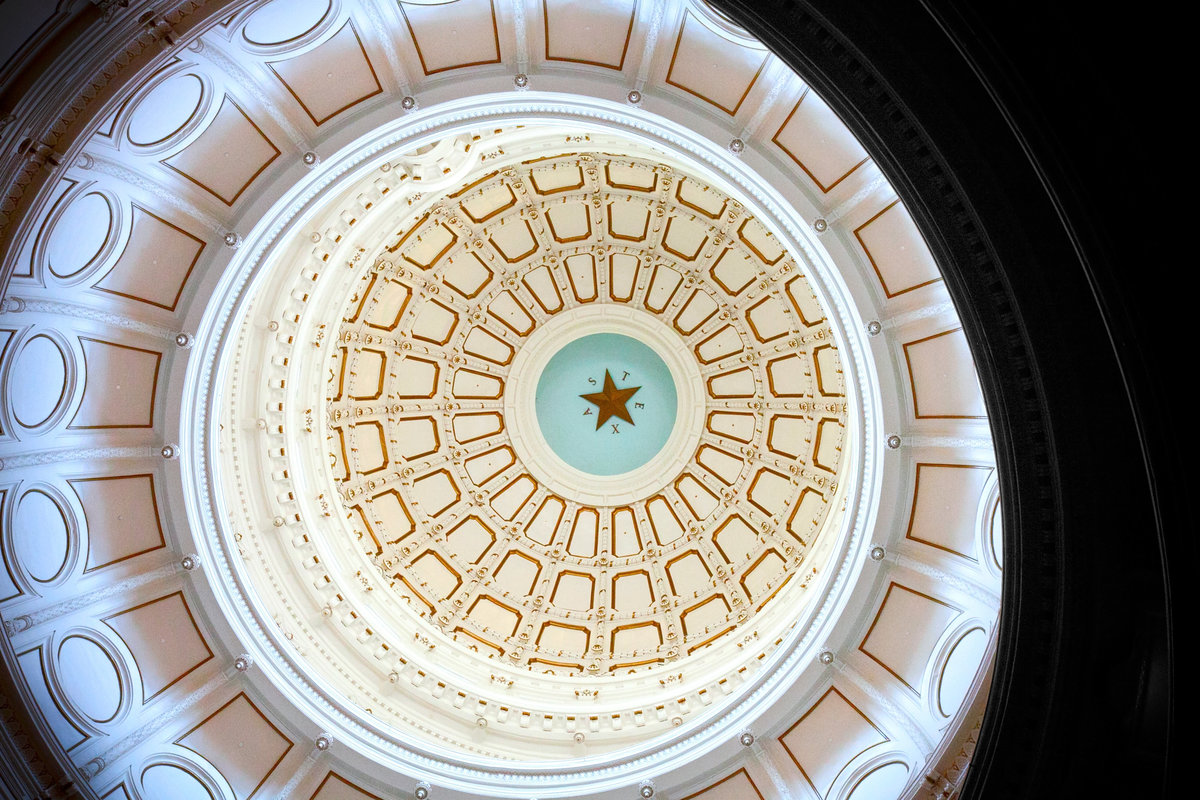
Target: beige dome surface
{"x":277,"y":517}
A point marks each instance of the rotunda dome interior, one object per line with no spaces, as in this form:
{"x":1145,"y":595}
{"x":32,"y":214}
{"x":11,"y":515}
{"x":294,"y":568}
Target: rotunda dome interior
{"x":487,"y":399}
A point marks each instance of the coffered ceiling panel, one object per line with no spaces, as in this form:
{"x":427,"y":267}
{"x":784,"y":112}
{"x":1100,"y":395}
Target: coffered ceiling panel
{"x":156,"y":262}
{"x":120,"y":386}
{"x":230,"y":153}
{"x":450,"y":36}
{"x":331,"y":77}
{"x":588,"y":33}
{"x":122,"y":517}
{"x":164,"y":639}
{"x":828,"y":737}
{"x":738,"y":786}
{"x":906,"y":628}
{"x":901,"y":259}
{"x":712,"y":67}
{"x":241,"y":743}
{"x":944,"y":383}
{"x":946,"y":499}
{"x":335,"y":787}
{"x":819,"y":143}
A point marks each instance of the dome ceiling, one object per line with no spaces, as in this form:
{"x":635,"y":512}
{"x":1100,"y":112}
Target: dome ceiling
{"x":483,"y":564}
{"x":515,"y":398}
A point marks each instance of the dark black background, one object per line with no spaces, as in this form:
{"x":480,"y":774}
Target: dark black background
{"x":1037,"y":148}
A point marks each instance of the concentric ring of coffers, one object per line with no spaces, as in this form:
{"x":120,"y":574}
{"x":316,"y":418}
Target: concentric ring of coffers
{"x":420,"y":443}
{"x":446,"y":574}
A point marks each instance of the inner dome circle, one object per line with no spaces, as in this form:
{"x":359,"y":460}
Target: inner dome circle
{"x":606,"y":403}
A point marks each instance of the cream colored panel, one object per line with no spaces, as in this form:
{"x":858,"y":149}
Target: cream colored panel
{"x":735,"y":539}
{"x":569,"y":222}
{"x":943,"y":378}
{"x":632,"y":592}
{"x":906,"y":628}
{"x":164,"y":640}
{"x":697,"y":310}
{"x":663,"y":521}
{"x":584,"y":533}
{"x":331,"y":77}
{"x":788,"y":376}
{"x":768,"y":320}
{"x":511,"y":314}
{"x":573,"y":590}
{"x":493,"y":616}
{"x":122,"y":517}
{"x":240,"y":742}
{"x":155,"y":264}
{"x":335,"y":787}
{"x":789,"y":435}
{"x":450,"y":35}
{"x":367,"y":374}
{"x":470,"y":384}
{"x":626,"y":537}
{"x":738,"y":786}
{"x":814,"y":137}
{"x":713,"y":68}
{"x":563,"y":640}
{"x":544,"y":524}
{"x":804,"y":519}
{"x":517,"y":574}
{"x":414,"y":377}
{"x":228,"y":156}
{"x":764,"y":575}
{"x":471,"y":427}
{"x":623,"y":270}
{"x":829,"y":736}
{"x":581,"y":269}
{"x":688,"y":574}
{"x":514,"y":240}
{"x":945,"y":500}
{"x":734,"y":425}
{"x":734,"y":271}
{"x":897,"y":251}
{"x":435,"y":492}
{"x":434,"y":323}
{"x":415,"y":437}
{"x":466,"y":274}
{"x":470,"y":540}
{"x":540,"y":284}
{"x":588,"y":33}
{"x":387,"y":304}
{"x":485,"y":466}
{"x":769,"y":491}
{"x":368,"y":445}
{"x":120,"y":388}
{"x":436,"y":575}
{"x":512,"y":498}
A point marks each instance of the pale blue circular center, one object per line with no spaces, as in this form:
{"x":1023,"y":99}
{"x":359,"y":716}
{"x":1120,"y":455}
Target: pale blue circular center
{"x":568,"y":420}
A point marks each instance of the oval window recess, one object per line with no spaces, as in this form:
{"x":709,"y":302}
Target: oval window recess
{"x":285,"y":21}
{"x":882,"y":783}
{"x":961,"y":666}
{"x":90,"y":679}
{"x":79,"y":235}
{"x":38,"y":381}
{"x":168,"y":780}
{"x":165,"y":110}
{"x":41,"y":539}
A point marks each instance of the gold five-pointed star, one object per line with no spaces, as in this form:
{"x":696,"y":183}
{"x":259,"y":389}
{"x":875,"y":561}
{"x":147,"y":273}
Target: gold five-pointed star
{"x":611,"y":401}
